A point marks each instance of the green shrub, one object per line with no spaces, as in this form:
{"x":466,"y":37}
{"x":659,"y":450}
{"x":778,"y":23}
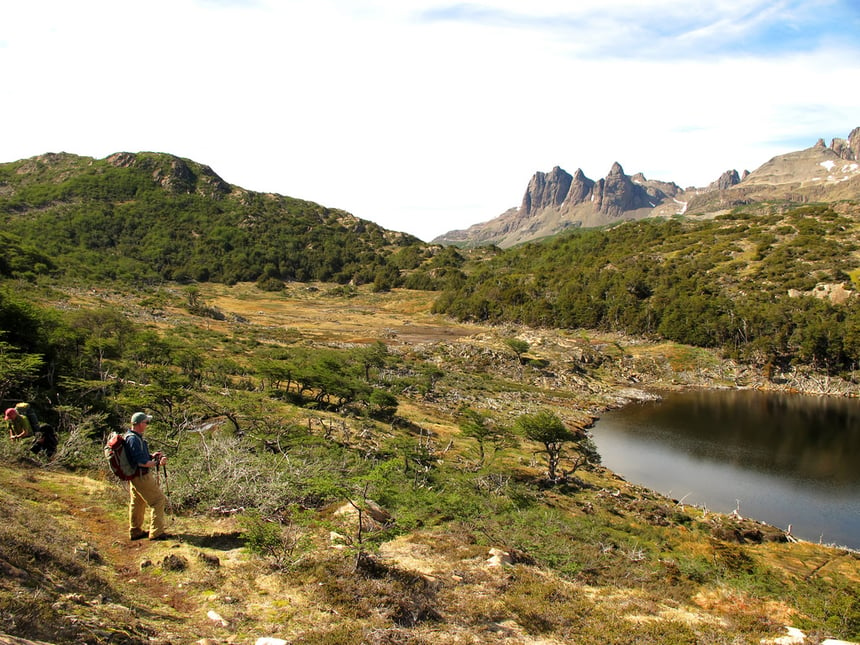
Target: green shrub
{"x":271,"y":539}
{"x":832,"y":607}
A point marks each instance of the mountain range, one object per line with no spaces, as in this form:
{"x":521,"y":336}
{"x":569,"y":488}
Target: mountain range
{"x":557,"y":200}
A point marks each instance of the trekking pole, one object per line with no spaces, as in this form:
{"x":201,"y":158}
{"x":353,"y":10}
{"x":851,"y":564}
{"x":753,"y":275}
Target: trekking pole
{"x":160,"y":469}
{"x":166,"y":485}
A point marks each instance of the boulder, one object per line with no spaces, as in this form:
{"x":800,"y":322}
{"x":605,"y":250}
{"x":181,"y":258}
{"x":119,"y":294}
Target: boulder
{"x":499,"y":558}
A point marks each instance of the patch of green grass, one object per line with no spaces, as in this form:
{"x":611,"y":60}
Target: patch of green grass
{"x":831,"y":607}
{"x":542,"y":605}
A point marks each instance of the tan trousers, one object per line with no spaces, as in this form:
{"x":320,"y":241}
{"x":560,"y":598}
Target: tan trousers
{"x":145,"y":491}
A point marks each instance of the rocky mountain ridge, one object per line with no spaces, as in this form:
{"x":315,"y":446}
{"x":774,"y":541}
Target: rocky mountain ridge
{"x":557,"y":200}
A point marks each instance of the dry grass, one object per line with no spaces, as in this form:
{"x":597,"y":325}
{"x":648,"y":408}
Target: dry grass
{"x":431,"y":586}
{"x":428,"y":587}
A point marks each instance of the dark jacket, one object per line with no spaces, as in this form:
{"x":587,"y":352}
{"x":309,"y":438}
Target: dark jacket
{"x":138,"y":450}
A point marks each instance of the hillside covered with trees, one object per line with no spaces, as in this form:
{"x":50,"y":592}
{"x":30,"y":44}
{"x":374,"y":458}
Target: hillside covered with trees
{"x":767,"y":285}
{"x":150,"y":217}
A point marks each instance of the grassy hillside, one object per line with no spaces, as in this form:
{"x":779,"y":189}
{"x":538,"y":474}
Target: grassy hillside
{"x":769,"y":283}
{"x":267,"y":476}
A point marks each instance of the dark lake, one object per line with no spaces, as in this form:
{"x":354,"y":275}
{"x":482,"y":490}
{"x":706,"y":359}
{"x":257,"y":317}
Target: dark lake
{"x":780,"y":458}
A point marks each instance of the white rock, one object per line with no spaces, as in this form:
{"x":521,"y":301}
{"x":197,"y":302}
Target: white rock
{"x":498,"y":558}
{"x":214,"y":616}
{"x":794,"y":637}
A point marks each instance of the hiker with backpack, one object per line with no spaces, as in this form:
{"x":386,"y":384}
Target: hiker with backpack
{"x":23,"y":423}
{"x":19,"y":424}
{"x":144,"y":488}
{"x":26,"y":410}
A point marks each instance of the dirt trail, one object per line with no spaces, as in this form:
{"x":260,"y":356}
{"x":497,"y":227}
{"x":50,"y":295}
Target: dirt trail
{"x":95,"y":512}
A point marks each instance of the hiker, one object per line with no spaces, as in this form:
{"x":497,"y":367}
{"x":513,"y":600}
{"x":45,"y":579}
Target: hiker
{"x":45,"y":440}
{"x":26,"y":410}
{"x":19,"y":425}
{"x":45,"y":437}
{"x":144,"y":489}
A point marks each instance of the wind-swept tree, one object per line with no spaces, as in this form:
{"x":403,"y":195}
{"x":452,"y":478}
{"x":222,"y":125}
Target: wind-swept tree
{"x":517,"y":346}
{"x":382,"y":404}
{"x":548,"y":429}
{"x":372,"y":356}
{"x":478,"y":426}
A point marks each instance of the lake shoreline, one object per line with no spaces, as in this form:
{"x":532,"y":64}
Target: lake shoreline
{"x":775,"y":469}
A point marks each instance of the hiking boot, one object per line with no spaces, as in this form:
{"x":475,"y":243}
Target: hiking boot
{"x":161,"y":536}
{"x":137,"y":534}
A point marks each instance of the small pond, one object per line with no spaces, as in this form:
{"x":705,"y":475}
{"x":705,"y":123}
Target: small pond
{"x":784,"y":459}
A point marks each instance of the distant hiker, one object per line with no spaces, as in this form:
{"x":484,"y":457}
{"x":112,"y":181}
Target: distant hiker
{"x":144,"y":489}
{"x":46,"y":440}
{"x":19,"y":425}
{"x":45,"y":437}
{"x":26,"y":410}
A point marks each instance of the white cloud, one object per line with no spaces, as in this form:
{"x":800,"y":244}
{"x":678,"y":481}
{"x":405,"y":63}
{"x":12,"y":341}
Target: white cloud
{"x":425,"y":116}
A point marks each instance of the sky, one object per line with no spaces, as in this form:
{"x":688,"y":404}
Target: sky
{"x":426,"y":116}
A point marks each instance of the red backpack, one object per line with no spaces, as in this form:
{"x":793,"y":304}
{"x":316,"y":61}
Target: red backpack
{"x":117,"y":457}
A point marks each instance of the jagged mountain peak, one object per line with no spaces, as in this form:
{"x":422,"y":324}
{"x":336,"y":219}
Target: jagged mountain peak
{"x":556,"y":200}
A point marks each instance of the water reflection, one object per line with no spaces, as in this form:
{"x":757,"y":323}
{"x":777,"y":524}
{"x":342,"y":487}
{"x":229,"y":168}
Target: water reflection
{"x":811,"y":437}
{"x":790,"y":458}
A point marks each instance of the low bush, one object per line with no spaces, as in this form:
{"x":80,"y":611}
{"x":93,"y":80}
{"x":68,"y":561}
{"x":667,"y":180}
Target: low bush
{"x":280,"y":542}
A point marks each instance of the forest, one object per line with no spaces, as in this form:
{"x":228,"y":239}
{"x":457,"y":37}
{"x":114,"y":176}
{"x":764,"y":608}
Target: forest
{"x":745,"y":283}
